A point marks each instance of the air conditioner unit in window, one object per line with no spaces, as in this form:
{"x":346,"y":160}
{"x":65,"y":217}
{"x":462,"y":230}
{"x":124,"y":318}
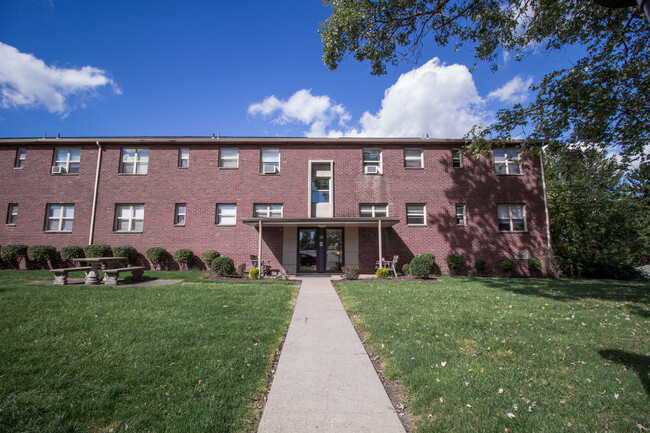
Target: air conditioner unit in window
{"x":521,"y":256}
{"x":57,"y":169}
{"x":372,"y":169}
{"x":269,"y":169}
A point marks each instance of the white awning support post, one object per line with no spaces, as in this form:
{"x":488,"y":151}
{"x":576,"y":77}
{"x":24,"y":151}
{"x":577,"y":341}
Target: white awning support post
{"x":380,"y":252}
{"x":259,"y":251}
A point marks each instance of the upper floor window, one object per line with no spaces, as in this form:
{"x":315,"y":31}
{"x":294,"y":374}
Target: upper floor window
{"x":129,"y":217}
{"x":228,"y":158}
{"x":226,"y":214}
{"x":134,"y":161}
{"x":460,"y":215}
{"x":270,"y":161}
{"x":12,"y":213}
{"x":183,"y":157}
{"x":413,"y":158}
{"x":372,"y":161}
{"x":506,"y":161}
{"x":456,"y":158}
{"x":268,"y":211}
{"x":511,"y":217}
{"x":179,"y":214}
{"x":415,"y":214}
{"x":373,"y":210}
{"x":59,"y":217}
{"x":19,"y":162}
{"x":66,"y":161}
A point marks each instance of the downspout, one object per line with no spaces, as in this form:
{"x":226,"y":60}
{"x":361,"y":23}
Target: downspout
{"x":380,"y":251}
{"x":259,"y":251}
{"x":548,"y":224}
{"x":92,"y":218}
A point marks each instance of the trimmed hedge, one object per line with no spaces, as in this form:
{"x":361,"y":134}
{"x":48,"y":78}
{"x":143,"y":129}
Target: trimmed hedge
{"x":209,"y":256}
{"x":183,"y":257}
{"x":455,"y":262}
{"x":254,"y":274}
{"x":421,"y":265}
{"x":223,"y":266}
{"x":127,"y":251}
{"x":157,"y":256}
{"x":350,"y":272}
{"x":98,"y":250}
{"x":506,"y":265}
{"x":406,"y":269}
{"x":12,"y":254}
{"x":534,"y":265}
{"x":72,"y":252}
{"x":41,"y":254}
{"x":480,"y":265}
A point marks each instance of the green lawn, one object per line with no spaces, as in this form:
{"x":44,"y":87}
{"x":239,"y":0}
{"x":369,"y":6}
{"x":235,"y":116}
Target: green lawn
{"x":520,"y":355}
{"x":188,"y":357}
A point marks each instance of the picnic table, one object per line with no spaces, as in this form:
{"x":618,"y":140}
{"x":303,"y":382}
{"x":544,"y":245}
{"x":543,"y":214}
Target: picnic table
{"x":92,"y":277}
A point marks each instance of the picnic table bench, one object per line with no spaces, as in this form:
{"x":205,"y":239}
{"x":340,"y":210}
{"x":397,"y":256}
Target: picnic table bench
{"x":111,"y":275}
{"x":61,"y":274}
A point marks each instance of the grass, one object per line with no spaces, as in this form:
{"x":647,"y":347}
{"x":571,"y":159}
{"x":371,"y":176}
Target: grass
{"x":495,"y":355}
{"x":187,"y":357}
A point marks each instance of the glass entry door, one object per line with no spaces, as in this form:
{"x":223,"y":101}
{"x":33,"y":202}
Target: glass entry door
{"x":320,"y":250}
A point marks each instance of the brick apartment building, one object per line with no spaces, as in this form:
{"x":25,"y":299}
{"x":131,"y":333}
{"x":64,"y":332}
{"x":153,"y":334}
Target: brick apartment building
{"x":318,"y":203}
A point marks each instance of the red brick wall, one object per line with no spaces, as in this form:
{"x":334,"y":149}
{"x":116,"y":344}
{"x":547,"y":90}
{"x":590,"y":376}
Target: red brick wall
{"x":203,"y":185}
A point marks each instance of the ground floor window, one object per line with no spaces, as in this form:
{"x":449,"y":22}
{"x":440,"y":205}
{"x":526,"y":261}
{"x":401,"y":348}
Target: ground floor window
{"x":129,"y":217}
{"x":226,"y":214}
{"x":59,"y":217}
{"x":415,"y":214}
{"x":179,"y":214}
{"x":12,"y":213}
{"x":511,"y":218}
{"x":460,"y":215}
{"x":268,"y":211}
{"x":373,"y":210}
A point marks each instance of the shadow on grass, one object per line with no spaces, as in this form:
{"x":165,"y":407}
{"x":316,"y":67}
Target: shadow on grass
{"x":639,"y":363}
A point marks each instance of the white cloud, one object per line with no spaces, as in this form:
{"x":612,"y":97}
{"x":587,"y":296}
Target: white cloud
{"x":26,"y":81}
{"x":514,"y":91}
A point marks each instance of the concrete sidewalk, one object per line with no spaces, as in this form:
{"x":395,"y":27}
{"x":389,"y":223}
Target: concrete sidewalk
{"x":324,"y":380}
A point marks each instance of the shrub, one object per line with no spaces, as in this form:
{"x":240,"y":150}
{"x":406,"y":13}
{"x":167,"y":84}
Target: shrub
{"x":254,"y":274}
{"x":429,"y":257}
{"x":406,"y":269}
{"x":455,"y":262}
{"x":41,"y":253}
{"x":480,"y":265}
{"x":209,"y":256}
{"x":241,"y":269}
{"x":157,"y":256}
{"x":127,"y":251}
{"x":534,"y":265}
{"x":382,"y":273}
{"x":12,"y":254}
{"x":71,"y":252}
{"x":183,"y":257}
{"x":223,"y":265}
{"x":98,"y":250}
{"x":350,"y":272}
{"x":421,"y":265}
{"x":506,"y":265}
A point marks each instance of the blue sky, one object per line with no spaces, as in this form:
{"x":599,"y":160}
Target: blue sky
{"x":236,"y":68}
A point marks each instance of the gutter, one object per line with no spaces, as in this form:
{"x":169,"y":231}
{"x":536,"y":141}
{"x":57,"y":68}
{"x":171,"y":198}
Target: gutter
{"x":92,"y":218}
{"x":548,"y":223}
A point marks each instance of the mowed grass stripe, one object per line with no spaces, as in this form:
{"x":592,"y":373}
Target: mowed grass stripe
{"x":490,"y":354}
{"x":187,"y":357}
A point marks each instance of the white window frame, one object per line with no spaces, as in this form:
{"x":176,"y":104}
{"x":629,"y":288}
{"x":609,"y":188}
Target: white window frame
{"x":184,"y":157}
{"x":141,"y":160}
{"x":368,"y":162}
{"x":12,"y":214}
{"x":21,"y":155}
{"x":61,"y":218}
{"x":419,"y":159}
{"x":271,"y":162}
{"x":67,"y":162}
{"x":132,"y":218}
{"x":456,"y":157}
{"x":505,"y":165}
{"x":423,"y":213}
{"x":223,"y":159}
{"x":178,"y":214}
{"x":221,"y":213}
{"x":373,"y":210}
{"x":510,"y":218}
{"x":462,"y":215}
{"x":268,"y":210}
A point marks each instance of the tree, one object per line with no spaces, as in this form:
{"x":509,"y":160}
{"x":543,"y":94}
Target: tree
{"x":601,"y":101}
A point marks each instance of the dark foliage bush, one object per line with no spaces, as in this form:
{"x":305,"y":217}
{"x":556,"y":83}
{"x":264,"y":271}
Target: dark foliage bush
{"x":534,"y":265}
{"x":223,"y":266}
{"x":183,"y":257}
{"x":209,"y":256}
{"x":421,"y":265}
{"x":480,"y":265}
{"x":614,"y":271}
{"x":72,"y":252}
{"x":41,"y":254}
{"x":98,"y":250}
{"x":406,"y":269}
{"x":455,"y":262}
{"x":506,"y":265}
{"x":382,"y":273}
{"x":350,"y":272}
{"x":127,"y":251}
{"x":12,"y":254}
{"x":157,"y":256}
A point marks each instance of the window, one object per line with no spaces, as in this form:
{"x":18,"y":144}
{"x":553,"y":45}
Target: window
{"x":59,"y":217}
{"x":415,"y":214}
{"x":511,"y":218}
{"x":372,"y":161}
{"x":179,"y":214}
{"x":183,"y":157}
{"x":19,"y":162}
{"x":68,"y":160}
{"x":268,"y":211}
{"x":506,"y":161}
{"x":226,"y":214}
{"x":134,"y":161}
{"x":373,"y":210}
{"x":129,"y":217}
{"x":320,"y":190}
{"x":228,"y":158}
{"x":456,"y":158}
{"x":413,"y":158}
{"x":460,"y":215}
{"x":270,"y":161}
{"x":12,"y":213}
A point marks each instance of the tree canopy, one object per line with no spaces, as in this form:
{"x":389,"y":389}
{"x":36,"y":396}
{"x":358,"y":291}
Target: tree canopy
{"x":602,"y":100}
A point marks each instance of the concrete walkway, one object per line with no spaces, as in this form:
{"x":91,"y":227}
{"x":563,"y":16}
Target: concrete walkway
{"x":324,"y":380}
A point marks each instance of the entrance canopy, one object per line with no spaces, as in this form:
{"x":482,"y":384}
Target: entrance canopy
{"x":322,"y":222}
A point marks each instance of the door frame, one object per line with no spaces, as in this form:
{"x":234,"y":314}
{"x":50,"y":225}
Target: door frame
{"x":321,"y":249}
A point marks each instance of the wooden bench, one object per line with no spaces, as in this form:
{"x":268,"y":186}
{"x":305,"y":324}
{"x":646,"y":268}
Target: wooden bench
{"x":111,"y":275}
{"x":61,"y":275}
